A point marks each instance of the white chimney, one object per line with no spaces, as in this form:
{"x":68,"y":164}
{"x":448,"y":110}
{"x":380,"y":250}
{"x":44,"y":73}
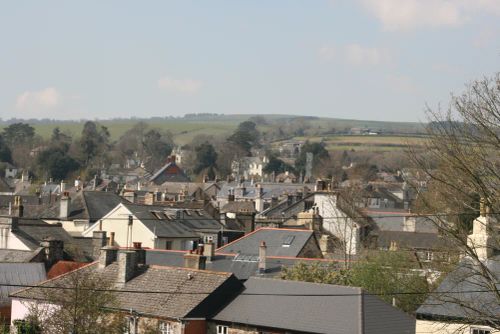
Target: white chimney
{"x":64,"y":206}
{"x":262,"y":257}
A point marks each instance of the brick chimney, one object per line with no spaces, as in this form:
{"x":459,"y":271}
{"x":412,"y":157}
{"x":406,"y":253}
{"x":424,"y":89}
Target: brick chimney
{"x":195,"y":259}
{"x":64,"y":206}
{"x":209,"y":251}
{"x":262,"y":257}
{"x":99,"y":240}
{"x":127,"y":265}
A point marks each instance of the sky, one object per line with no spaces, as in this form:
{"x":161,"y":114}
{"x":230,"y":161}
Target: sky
{"x":356,"y":59}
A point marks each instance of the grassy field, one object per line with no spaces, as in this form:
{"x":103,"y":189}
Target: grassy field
{"x":379,"y":143}
{"x":185,"y":129}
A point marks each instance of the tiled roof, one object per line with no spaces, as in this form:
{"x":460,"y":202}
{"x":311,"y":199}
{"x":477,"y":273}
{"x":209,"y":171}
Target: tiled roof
{"x":171,"y":292}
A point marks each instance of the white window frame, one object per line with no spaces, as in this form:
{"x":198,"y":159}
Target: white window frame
{"x":479,"y":330}
{"x":222,"y":329}
{"x":166,"y":328}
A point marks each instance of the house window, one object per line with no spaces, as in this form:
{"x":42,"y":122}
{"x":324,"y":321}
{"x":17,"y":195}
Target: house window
{"x":130,"y":325}
{"x":222,"y":329}
{"x":166,"y":328}
{"x":480,"y":331}
{"x":168,"y":245}
{"x":208,"y":238}
{"x":428,"y":256}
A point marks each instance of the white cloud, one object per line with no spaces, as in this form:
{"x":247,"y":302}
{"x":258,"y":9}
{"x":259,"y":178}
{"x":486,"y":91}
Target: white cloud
{"x":47,"y":98}
{"x":355,"y":54}
{"x":412,"y":14}
{"x":189,"y":86}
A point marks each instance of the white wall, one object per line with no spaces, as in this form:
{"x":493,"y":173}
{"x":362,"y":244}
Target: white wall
{"x":117,"y":221}
{"x":431,"y":327}
{"x":337,"y":223}
{"x":21,"y":308}
{"x":8,"y":240}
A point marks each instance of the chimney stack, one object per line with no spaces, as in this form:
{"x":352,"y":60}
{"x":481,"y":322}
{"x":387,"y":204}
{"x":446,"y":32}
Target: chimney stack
{"x":195,"y":259}
{"x":130,"y":196}
{"x":127,"y":265}
{"x":64,"y":206}
{"x":107,"y":256}
{"x":63,"y":187}
{"x":18,"y":208}
{"x":99,"y":240}
{"x":53,"y":250}
{"x":140,"y":253}
{"x":209,"y":251}
{"x":262,"y":257}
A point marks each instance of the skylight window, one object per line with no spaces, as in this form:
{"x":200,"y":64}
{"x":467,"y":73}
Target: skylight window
{"x":287,"y":241}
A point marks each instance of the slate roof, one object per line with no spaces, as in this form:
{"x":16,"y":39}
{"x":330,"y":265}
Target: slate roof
{"x":16,"y":255}
{"x":460,"y":295}
{"x":33,"y":231}
{"x":178,"y":295}
{"x":246,"y":207}
{"x":276,"y":240}
{"x":272,"y":303}
{"x":242,"y":267}
{"x":411,"y":240}
{"x":88,"y":205}
{"x":269,"y":191}
{"x":4,"y":186}
{"x":18,"y":273}
{"x":168,"y":226}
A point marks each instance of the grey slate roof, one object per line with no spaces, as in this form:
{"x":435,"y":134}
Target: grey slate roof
{"x":164,"y":227}
{"x":19,"y":273}
{"x":275,"y":239}
{"x":241,"y":267}
{"x":33,"y":231}
{"x":15,"y":255}
{"x":270,"y":189}
{"x":91,"y":205}
{"x":411,"y":240}
{"x":272,"y":303}
{"x":177,"y":297}
{"x":462,"y":295}
{"x":246,"y":207}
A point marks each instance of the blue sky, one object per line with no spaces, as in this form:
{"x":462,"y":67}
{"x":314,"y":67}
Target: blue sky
{"x":359,"y":59}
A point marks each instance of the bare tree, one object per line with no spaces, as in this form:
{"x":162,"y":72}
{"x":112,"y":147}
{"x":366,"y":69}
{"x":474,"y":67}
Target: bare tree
{"x":80,"y":304}
{"x":464,"y":144}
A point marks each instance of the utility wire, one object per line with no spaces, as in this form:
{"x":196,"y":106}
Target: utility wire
{"x":373,"y":215}
{"x":245,"y":293}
